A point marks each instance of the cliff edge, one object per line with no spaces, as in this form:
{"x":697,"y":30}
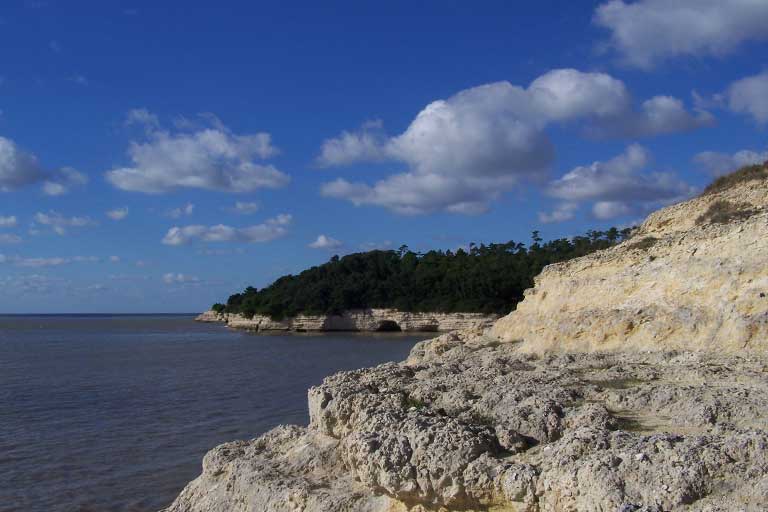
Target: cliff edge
{"x":694,"y":277}
{"x":635,"y":379}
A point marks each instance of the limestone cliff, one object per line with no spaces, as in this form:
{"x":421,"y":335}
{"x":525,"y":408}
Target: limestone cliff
{"x":366,"y":320}
{"x":683,"y":281}
{"x":533,"y":415}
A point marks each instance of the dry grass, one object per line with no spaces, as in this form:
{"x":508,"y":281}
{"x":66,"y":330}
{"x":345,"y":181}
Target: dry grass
{"x":723,"y":212}
{"x":748,"y":173}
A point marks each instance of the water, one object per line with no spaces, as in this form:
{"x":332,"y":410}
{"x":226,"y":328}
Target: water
{"x":115,"y":413}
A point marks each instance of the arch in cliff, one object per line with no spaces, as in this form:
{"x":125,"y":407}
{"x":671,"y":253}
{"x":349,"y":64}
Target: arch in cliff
{"x":388,"y":326}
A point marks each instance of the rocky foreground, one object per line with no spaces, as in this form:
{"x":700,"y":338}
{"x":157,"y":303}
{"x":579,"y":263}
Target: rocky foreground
{"x":635,"y":379}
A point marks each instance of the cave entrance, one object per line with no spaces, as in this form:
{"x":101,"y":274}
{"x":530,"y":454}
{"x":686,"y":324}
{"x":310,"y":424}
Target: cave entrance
{"x":388,"y":326}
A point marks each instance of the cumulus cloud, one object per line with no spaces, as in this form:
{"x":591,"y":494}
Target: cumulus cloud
{"x":718,"y":164}
{"x":183,"y":211}
{"x":611,"y":209}
{"x":60,"y":223}
{"x":62,"y":181}
{"x":562,"y":213}
{"x":19,"y":168}
{"x":657,"y":116}
{"x":142,"y":117}
{"x":177,"y":278}
{"x":464,"y":152}
{"x":8,"y":222}
{"x":117,"y":213}
{"x":647,"y":32}
{"x":367,"y":144}
{"x":325,"y":242}
{"x":750,"y":96}
{"x":212,"y":158}
{"x":620,"y":186}
{"x":245,"y":208}
{"x":271,"y":229}
{"x":114,"y":259}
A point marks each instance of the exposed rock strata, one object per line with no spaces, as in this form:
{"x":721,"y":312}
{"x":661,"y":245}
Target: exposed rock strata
{"x":677,"y":283}
{"x":357,"y":320}
{"x":507,"y":420}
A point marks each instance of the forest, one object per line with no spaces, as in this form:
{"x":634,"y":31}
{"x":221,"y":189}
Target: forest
{"x":485,"y":278}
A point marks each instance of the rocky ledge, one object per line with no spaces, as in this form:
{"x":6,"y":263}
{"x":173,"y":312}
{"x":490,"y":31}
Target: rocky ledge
{"x":487,"y":428}
{"x":635,"y":379}
{"x":366,"y":320}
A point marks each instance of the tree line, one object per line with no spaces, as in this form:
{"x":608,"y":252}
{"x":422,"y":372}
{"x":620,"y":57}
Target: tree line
{"x":485,"y":279}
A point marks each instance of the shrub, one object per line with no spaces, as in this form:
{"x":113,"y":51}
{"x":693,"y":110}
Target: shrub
{"x":723,"y":212}
{"x":644,"y":243}
{"x":747,"y":173}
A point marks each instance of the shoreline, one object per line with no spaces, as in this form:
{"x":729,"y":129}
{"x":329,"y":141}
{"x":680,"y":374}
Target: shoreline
{"x":372,"y":320}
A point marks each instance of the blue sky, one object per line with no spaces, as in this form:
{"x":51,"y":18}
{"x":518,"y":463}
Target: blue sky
{"x":158,"y":158}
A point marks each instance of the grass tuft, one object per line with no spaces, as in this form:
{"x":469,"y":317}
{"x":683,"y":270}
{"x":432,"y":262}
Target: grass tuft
{"x":724,"y":212}
{"x":743,"y":175}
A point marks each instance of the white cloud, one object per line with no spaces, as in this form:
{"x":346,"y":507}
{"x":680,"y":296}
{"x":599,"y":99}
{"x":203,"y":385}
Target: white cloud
{"x":270,"y":230}
{"x":563,"y":212}
{"x":59,"y":223}
{"x":246,"y":208}
{"x":40,"y":262}
{"x":8,"y":222}
{"x":183,"y":211}
{"x":19,"y":168}
{"x":464,"y":152}
{"x":657,"y":116}
{"x":61,"y":181}
{"x":325,"y":242}
{"x":142,"y":117}
{"x":176,"y":278}
{"x":750,"y":96}
{"x":365,"y":145}
{"x":718,"y":164}
{"x":20,"y":261}
{"x":117,"y":213}
{"x":611,"y":209}
{"x":620,"y":186}
{"x":7,"y":238}
{"x":211,"y":158}
{"x":114,"y":259}
{"x":647,"y":32}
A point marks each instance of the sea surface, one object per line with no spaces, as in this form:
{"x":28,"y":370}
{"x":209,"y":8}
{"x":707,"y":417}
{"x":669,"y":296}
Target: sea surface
{"x":114,"y":413}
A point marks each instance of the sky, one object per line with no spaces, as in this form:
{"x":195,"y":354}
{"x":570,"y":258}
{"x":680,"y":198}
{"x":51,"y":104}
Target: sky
{"x":159,"y":156}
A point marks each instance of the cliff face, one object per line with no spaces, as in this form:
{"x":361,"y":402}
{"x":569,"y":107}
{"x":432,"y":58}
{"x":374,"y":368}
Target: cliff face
{"x":683,"y":281}
{"x":358,"y":320}
{"x":530,"y":416}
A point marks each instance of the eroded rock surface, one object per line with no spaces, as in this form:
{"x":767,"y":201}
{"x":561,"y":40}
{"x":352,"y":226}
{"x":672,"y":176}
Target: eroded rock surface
{"x":488,"y":428}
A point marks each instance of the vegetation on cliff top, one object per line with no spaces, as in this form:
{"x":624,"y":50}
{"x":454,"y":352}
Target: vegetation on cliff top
{"x":746,"y":173}
{"x":486,"y":278}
